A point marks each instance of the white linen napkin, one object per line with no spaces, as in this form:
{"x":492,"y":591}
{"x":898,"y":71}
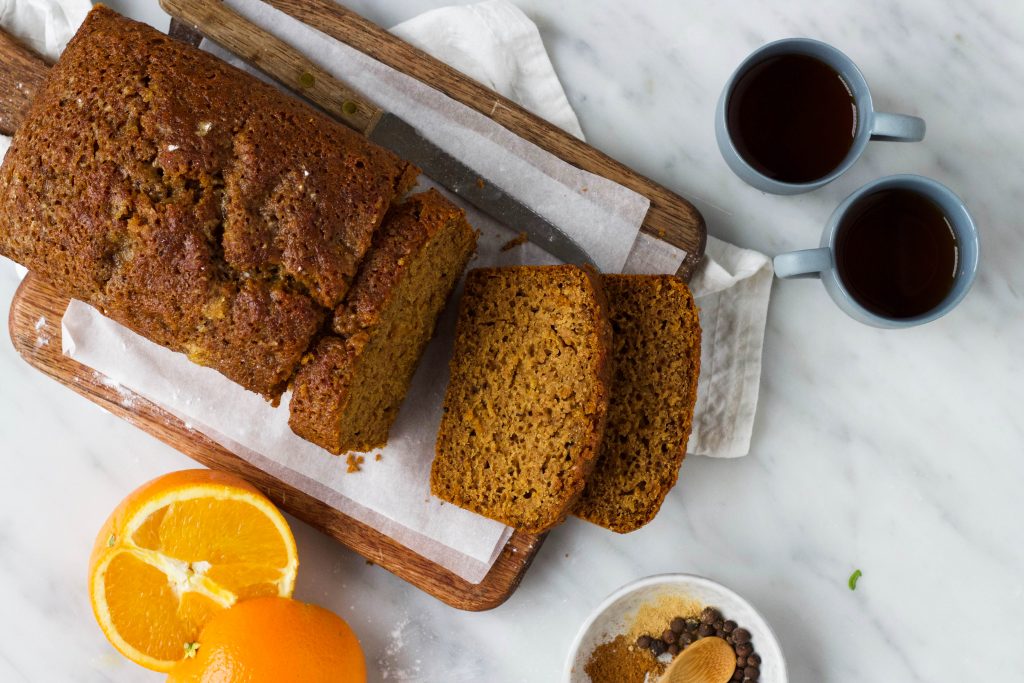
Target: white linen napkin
{"x":731,"y":286}
{"x":496,"y":44}
{"x":46,"y":26}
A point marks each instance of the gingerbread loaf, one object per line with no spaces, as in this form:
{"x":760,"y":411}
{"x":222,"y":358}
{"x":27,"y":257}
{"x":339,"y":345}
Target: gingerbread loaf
{"x":347,"y":393}
{"x":191,"y":202}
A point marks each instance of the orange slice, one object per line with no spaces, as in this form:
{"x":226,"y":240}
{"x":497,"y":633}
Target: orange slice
{"x":180,"y":549}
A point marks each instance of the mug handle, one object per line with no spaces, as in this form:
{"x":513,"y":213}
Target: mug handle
{"x":803,"y":264}
{"x":897,"y":127}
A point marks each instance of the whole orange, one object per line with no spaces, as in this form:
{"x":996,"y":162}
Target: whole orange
{"x":273,"y":640}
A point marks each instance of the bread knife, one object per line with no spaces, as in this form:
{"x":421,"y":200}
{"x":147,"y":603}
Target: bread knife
{"x":289,"y":67}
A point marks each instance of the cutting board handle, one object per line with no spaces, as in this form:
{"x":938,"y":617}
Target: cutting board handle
{"x":277,"y":59}
{"x":22,"y":73}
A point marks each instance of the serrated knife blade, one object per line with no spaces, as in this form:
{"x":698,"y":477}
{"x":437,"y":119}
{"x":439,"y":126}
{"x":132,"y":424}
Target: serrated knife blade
{"x":404,"y":140}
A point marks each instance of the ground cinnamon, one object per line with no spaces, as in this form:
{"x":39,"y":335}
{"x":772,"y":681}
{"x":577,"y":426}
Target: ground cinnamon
{"x":621,"y":661}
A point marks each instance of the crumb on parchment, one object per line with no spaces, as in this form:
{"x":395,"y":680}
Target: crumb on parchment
{"x":521,"y":238}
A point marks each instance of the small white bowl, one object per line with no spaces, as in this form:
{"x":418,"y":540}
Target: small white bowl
{"x":612,"y":616}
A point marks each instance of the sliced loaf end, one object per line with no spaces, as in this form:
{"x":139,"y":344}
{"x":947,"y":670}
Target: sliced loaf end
{"x":347,"y":394}
{"x":655,"y":364}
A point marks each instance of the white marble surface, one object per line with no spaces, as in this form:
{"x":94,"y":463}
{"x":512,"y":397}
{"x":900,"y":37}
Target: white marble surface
{"x":895,"y":452}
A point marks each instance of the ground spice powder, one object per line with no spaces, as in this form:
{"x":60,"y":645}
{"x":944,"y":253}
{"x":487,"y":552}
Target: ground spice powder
{"x":653,"y":617}
{"x":621,"y":661}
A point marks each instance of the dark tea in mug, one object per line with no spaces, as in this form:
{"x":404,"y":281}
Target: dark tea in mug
{"x":792,"y":118}
{"x":896,"y":253}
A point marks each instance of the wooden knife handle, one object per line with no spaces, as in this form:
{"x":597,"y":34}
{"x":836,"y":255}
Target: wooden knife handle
{"x":276,"y":58}
{"x":22,"y":73}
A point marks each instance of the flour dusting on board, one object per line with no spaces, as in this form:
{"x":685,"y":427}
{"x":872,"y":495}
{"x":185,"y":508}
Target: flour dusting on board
{"x":127,"y":396}
{"x":42,"y":338}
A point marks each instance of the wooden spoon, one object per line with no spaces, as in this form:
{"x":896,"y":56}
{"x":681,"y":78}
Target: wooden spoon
{"x":709,"y":660}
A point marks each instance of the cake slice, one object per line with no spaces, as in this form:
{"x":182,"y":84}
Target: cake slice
{"x":346,"y":396}
{"x":655,"y":363}
{"x":525,"y":406}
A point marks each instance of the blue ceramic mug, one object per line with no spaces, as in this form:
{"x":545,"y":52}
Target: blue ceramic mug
{"x":871,"y":124}
{"x":821,"y":262}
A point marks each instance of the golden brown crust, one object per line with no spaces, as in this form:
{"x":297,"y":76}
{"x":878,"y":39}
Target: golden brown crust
{"x":410,"y":225}
{"x":656,"y":363}
{"x":269,"y":326}
{"x":318,"y":393}
{"x":346,"y":395}
{"x":526,"y":403}
{"x":189,"y":201}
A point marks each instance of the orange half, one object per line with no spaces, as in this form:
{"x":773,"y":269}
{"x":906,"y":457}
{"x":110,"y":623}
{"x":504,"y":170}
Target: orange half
{"x":178,"y":550}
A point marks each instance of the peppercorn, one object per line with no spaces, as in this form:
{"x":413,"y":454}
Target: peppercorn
{"x":710,"y":615}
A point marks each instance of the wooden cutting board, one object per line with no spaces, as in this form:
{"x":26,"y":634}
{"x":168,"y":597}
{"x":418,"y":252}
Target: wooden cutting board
{"x":670,"y":218}
{"x":39,"y":343}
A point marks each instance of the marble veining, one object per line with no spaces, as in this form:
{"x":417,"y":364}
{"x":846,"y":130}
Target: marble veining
{"x":894,"y":452}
